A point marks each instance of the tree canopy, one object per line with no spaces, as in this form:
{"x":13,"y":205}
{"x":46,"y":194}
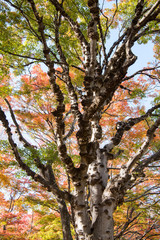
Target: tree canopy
{"x":80,"y":145}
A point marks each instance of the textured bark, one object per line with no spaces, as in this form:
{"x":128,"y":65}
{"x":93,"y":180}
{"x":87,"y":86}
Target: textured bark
{"x":81,"y":217}
{"x":95,"y":196}
{"x":65,"y":219}
{"x":102,"y":220}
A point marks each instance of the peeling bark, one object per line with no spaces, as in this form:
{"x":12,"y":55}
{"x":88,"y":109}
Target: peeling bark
{"x":95,"y":196}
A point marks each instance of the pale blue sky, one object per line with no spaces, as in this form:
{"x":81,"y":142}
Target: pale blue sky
{"x":145,"y":53}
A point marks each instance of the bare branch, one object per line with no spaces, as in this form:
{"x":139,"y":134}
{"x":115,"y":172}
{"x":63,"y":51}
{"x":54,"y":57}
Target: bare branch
{"x":102,"y":40}
{"x":153,"y":226}
{"x":59,"y":48}
{"x":145,"y":162}
{"x":146,"y":32}
{"x":126,"y":225}
{"x":78,"y":68}
{"x":143,"y":148}
{"x":115,"y":44}
{"x":23,"y":56}
{"x":21,"y":138}
{"x":145,"y":193}
{"x":104,"y":37}
{"x":141,"y":72}
{"x":71,"y":130}
{"x":126,"y":126}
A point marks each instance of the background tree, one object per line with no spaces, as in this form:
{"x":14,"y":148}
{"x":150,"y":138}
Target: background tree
{"x":80,"y":115}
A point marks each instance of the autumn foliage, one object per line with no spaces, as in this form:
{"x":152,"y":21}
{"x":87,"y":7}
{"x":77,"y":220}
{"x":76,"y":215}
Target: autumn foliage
{"x":65,"y":107}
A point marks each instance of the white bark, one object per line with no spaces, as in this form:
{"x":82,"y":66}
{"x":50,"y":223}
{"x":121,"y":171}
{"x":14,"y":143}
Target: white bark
{"x":82,"y":221}
{"x":101,"y":211}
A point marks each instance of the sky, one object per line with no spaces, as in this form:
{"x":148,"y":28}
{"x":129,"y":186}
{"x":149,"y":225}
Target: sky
{"x":144,"y":52}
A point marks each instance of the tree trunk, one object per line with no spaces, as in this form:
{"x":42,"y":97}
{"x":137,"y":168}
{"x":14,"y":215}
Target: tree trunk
{"x":101,"y":210}
{"x":81,"y":215}
{"x":65,"y":220}
{"x":97,"y":222}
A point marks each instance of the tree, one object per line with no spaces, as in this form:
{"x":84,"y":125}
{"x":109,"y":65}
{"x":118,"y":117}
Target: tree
{"x":76,"y":105}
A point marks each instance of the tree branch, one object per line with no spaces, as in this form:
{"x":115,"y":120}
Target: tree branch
{"x":21,"y":138}
{"x":143,"y":148}
{"x":59,"y":48}
{"x":50,"y":185}
{"x":126,"y":225}
{"x":23,"y":56}
{"x":126,"y":126}
{"x":58,"y":113}
{"x":37,"y":160}
{"x":145,"y":193}
{"x":145,"y":162}
{"x":141,"y":72}
{"x":76,"y":28}
{"x":119,"y":184}
{"x":27,"y":19}
{"x":153,"y":226}
{"x":71,"y":130}
{"x":149,"y":15}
